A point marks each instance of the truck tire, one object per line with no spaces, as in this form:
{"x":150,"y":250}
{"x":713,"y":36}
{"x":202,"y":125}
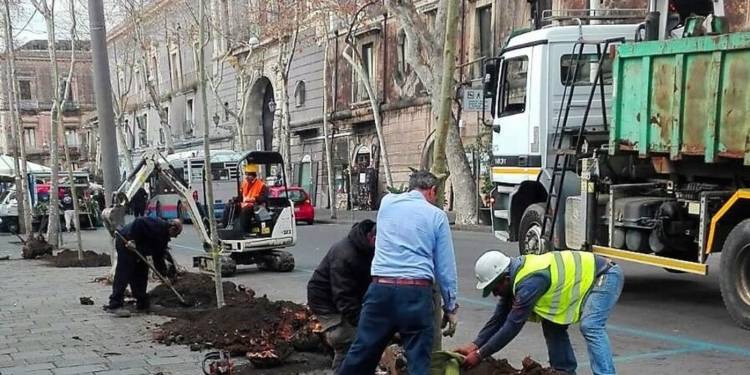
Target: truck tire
{"x":530,"y":230}
{"x":735,"y":274}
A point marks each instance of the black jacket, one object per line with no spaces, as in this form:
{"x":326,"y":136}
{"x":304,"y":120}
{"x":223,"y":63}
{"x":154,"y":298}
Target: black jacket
{"x":151,"y":236}
{"x":339,"y":284}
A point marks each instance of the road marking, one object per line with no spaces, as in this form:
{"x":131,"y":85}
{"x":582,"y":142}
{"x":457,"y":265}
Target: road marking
{"x":692,"y":345}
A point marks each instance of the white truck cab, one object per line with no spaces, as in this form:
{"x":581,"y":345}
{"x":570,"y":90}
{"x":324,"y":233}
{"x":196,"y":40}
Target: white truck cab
{"x":527,"y":106}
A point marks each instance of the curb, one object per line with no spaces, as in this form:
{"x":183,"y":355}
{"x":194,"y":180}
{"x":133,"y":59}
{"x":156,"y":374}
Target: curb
{"x":462,"y":228}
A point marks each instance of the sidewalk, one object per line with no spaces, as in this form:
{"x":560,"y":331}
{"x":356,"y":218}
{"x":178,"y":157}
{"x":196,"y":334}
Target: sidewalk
{"x":45,"y":330}
{"x":323,"y":216}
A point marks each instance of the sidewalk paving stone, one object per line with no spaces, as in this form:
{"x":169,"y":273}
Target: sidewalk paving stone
{"x":45,"y":330}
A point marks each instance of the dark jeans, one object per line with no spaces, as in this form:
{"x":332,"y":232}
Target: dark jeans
{"x":595,"y":311}
{"x":340,"y":338}
{"x":130,"y":270}
{"x":388,"y":309}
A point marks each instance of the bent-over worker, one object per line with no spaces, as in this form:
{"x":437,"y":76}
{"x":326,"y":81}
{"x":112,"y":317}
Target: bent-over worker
{"x":413,"y":250}
{"x":254,"y":193}
{"x":337,"y":287}
{"x":148,"y":236}
{"x":558,"y":288}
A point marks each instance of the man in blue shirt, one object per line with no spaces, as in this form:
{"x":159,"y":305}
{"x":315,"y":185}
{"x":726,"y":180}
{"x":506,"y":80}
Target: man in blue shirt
{"x":584,"y":289}
{"x":413,"y":249}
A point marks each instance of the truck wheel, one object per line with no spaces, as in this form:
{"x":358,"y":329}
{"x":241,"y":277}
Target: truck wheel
{"x":530,"y":231}
{"x":735,"y":274}
{"x":11,"y":225}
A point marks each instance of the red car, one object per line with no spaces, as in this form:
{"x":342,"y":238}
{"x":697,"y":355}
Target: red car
{"x":303,"y":208}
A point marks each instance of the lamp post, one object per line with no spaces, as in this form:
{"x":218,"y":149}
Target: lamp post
{"x":272,"y":107}
{"x":216,"y":119}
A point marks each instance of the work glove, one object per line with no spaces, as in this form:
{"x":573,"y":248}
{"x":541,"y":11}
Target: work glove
{"x":130,"y":245}
{"x":450,"y":320}
{"x":467,"y":349}
{"x":472,"y":360}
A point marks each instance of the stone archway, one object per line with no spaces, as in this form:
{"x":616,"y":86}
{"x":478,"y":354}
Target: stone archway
{"x":260,"y":118}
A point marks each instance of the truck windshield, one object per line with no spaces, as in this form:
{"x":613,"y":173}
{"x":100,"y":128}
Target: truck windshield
{"x":586,"y":69}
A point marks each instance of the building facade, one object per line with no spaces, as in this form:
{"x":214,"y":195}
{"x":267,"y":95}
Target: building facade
{"x":36,"y":84}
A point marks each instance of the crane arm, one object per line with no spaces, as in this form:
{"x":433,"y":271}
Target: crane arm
{"x":114,"y":216}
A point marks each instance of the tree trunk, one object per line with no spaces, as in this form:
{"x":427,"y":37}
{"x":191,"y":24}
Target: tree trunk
{"x":16,"y":130}
{"x":207,"y":152}
{"x":53,"y":228}
{"x":326,"y":143}
{"x":68,"y":162}
{"x":375,"y":105}
{"x":286,"y":55}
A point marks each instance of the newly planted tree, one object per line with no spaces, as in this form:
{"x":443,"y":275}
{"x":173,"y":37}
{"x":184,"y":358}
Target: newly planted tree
{"x":18,"y":145}
{"x":45,"y":8}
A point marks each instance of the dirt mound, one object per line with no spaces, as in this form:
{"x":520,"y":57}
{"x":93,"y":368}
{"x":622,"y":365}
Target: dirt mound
{"x":266,"y":332}
{"x":297,"y":363}
{"x":69,"y":258}
{"x":491,"y":366}
{"x":36,"y":247}
{"x":199,"y":291}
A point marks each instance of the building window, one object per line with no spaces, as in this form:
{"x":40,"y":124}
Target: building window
{"x":367,"y":63}
{"x":515,"y":77}
{"x":402,"y":51}
{"x":71,"y":138}
{"x":175,"y":73}
{"x":299,"y":94}
{"x":66,"y":95}
{"x":162,"y":136}
{"x":29,"y":138}
{"x":485,"y":35}
{"x":24,"y":87}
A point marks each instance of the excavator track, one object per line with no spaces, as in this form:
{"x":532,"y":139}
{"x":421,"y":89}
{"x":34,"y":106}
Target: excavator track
{"x":276,"y":261}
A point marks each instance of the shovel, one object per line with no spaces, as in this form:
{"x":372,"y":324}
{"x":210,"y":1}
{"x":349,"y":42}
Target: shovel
{"x":162,"y":278}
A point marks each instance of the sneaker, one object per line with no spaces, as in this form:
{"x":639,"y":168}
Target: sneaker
{"x":117,"y":311}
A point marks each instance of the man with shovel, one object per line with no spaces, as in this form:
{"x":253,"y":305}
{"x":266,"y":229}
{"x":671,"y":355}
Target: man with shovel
{"x":149,"y":237}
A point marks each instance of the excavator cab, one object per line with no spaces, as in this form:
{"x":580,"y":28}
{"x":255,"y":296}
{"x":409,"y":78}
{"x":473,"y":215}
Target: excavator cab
{"x":247,"y":219}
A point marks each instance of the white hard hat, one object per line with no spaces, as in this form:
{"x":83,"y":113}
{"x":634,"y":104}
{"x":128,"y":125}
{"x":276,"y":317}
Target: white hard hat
{"x":489,"y":266}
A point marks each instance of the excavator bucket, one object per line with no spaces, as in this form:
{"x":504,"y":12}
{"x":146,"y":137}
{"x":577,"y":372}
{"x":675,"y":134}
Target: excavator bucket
{"x":114,"y":218}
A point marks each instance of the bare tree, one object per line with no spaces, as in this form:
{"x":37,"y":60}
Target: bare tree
{"x":17,"y":139}
{"x":121,"y":97}
{"x":324,"y":20}
{"x":145,"y":46}
{"x":66,"y":97}
{"x":53,"y":229}
{"x":424,"y":44}
{"x":353,"y":56}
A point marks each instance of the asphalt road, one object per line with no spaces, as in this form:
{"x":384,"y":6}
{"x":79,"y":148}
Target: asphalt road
{"x":663,"y":324}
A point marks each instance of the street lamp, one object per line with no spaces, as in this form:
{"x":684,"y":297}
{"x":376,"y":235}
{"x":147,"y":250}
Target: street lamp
{"x":272,"y":106}
{"x":253,"y":42}
{"x":216,"y":119}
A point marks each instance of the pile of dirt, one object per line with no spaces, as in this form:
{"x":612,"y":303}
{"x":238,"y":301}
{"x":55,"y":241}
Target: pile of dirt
{"x":297,"y":363}
{"x":69,"y":258}
{"x":200,"y":292}
{"x":491,"y":366}
{"x":36,"y":247}
{"x":266,"y":332}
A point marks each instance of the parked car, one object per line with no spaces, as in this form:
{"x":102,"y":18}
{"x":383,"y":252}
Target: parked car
{"x":303,"y":208}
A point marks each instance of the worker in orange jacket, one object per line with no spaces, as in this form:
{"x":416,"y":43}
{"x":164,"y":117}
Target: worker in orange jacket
{"x":253,"y":192}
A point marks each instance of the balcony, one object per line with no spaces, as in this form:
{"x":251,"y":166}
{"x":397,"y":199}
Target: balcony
{"x":28,"y":105}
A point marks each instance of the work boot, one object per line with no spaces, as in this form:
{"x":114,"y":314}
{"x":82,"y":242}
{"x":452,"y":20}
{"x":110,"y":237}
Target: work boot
{"x":118,"y":311}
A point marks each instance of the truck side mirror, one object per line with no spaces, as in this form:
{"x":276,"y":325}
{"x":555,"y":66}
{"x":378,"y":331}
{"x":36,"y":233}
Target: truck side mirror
{"x":490,"y":79}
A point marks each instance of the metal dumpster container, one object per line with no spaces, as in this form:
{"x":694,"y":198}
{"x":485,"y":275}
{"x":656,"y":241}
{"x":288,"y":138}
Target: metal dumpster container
{"x":683,"y":97}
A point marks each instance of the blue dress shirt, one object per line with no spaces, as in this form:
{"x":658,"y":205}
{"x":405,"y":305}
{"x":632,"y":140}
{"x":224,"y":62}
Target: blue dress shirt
{"x":414,"y":242}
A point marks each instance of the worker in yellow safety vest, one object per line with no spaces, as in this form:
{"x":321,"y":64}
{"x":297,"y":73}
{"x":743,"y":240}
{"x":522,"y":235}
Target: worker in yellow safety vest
{"x":253,"y":193}
{"x":558,"y":288}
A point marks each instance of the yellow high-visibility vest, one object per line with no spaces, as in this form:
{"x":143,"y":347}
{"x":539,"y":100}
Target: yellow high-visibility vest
{"x":572,"y":274}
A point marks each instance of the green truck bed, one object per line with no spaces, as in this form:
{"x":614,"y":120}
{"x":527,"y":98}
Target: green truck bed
{"x":687,"y":96}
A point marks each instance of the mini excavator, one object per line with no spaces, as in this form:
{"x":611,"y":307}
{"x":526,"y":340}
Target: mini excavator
{"x":271,"y":229}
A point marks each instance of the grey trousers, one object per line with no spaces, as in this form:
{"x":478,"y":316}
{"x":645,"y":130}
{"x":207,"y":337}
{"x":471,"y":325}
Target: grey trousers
{"x":340,"y":337}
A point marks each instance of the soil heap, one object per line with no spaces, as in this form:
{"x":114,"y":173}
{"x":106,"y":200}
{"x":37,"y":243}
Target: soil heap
{"x":36,"y":246}
{"x":266,"y":332}
{"x":69,"y":258}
